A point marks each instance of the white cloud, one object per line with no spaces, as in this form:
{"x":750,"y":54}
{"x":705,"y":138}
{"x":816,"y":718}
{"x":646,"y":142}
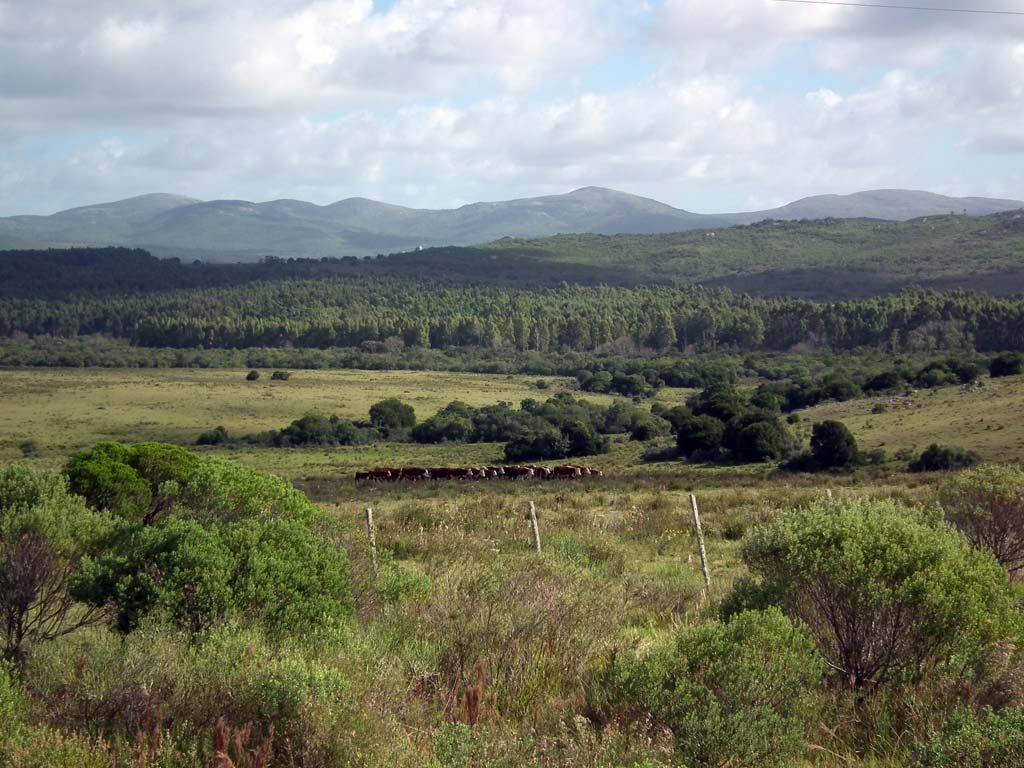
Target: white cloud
{"x":436,"y":102}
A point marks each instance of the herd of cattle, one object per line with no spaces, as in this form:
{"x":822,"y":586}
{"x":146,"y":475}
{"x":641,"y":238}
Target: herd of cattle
{"x":514,"y":472}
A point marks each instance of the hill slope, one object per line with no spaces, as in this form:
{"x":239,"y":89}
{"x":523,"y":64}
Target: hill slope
{"x":231,"y":230}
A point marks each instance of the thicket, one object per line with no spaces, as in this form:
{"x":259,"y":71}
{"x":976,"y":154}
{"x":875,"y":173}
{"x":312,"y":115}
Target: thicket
{"x":559,"y":427}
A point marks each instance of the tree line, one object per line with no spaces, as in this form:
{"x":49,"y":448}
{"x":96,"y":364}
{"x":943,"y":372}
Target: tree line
{"x":392,"y":314}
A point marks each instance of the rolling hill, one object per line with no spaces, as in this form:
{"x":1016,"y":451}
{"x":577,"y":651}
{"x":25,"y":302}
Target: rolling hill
{"x":239,"y":230}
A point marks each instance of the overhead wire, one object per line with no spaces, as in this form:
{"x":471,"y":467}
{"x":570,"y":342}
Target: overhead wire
{"x":894,"y":6}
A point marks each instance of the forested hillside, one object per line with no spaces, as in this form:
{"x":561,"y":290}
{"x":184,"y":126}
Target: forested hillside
{"x":821,"y":260}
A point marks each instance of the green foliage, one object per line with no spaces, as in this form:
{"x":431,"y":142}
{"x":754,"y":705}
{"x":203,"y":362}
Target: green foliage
{"x":989,"y":739}
{"x":987,"y":505}
{"x":216,"y":436}
{"x":699,"y":435}
{"x":252,"y":375}
{"x":1006,"y":364}
{"x":105,"y":477}
{"x":833,"y":445}
{"x":317,"y":429}
{"x":287,"y":576}
{"x":392,"y":416}
{"x":884,"y":591}
{"x":758,"y":437}
{"x":178,"y":568}
{"x":45,"y":532}
{"x":940,"y":458}
{"x":740,"y":693}
{"x":280,"y":376}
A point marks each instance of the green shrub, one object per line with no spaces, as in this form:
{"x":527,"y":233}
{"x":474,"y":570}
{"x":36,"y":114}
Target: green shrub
{"x":884,"y":591}
{"x":989,"y":739}
{"x":1006,"y":364}
{"x":392,"y":416}
{"x":696,"y":435}
{"x":938,"y":458}
{"x":987,"y":505}
{"x":739,"y":693}
{"x":833,"y":445}
{"x":45,"y":532}
{"x":105,"y":477}
{"x":252,"y":375}
{"x":288,"y":577}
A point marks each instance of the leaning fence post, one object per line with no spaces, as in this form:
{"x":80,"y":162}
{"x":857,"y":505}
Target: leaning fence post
{"x":700,"y":541}
{"x":371,"y":532}
{"x":536,"y":529}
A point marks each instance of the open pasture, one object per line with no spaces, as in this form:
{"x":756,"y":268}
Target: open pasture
{"x":987,"y":418}
{"x":64,"y":410}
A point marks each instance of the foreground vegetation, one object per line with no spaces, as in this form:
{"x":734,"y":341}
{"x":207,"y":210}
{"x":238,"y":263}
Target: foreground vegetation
{"x":213,"y":608}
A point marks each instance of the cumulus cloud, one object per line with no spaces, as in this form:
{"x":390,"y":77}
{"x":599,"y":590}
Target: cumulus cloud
{"x":439,"y":102}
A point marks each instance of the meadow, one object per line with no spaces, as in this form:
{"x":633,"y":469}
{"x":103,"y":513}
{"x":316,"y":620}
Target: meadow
{"x":468,"y":648}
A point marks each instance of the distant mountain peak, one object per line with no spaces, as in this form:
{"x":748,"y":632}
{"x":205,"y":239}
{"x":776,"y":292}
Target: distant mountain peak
{"x":176,"y":225}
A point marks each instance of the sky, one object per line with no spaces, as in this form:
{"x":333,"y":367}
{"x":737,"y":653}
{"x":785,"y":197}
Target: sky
{"x":708,"y":105}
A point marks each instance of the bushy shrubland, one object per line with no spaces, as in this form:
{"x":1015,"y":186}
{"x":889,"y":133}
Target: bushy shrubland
{"x":986,"y":739}
{"x":742,"y":692}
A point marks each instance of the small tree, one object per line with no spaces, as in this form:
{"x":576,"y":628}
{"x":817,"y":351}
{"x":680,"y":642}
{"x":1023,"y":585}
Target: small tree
{"x":987,"y":505}
{"x":253,"y":375}
{"x":884,"y":591}
{"x":1006,"y":364}
{"x":45,"y":532}
{"x":733,"y":693}
{"x":698,"y":434}
{"x":833,"y":445}
{"x":392,"y":415}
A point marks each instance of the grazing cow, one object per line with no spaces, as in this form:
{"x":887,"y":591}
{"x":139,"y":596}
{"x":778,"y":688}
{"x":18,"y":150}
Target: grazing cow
{"x":566,"y":472}
{"x":414,"y":474}
{"x":518,"y":473}
{"x":362,"y":476}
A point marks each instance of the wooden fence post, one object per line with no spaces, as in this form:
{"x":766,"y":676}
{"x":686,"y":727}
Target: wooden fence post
{"x":700,"y":541}
{"x":371,"y":532}
{"x":536,"y":529}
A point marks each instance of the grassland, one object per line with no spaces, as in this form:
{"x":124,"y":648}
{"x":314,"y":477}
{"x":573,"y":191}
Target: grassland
{"x":459,"y":583}
{"x":987,"y":418}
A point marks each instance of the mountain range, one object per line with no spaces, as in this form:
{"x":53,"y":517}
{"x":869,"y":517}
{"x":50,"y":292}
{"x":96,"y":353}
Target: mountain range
{"x":238,"y":230}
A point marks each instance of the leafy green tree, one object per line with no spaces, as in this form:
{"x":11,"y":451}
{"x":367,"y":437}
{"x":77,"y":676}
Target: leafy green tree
{"x":699,"y":434}
{"x":987,"y":505}
{"x":1006,"y":364}
{"x":545,"y":442}
{"x":443,"y":428}
{"x":720,"y":400}
{"x":736,"y":693}
{"x":885,"y":592}
{"x":45,"y":533}
{"x":757,"y":437}
{"x":833,"y":445}
{"x":178,"y":568}
{"x":392,"y":416}
{"x":105,"y":477}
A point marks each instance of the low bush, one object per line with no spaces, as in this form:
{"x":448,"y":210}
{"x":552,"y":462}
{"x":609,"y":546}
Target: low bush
{"x":741,"y":692}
